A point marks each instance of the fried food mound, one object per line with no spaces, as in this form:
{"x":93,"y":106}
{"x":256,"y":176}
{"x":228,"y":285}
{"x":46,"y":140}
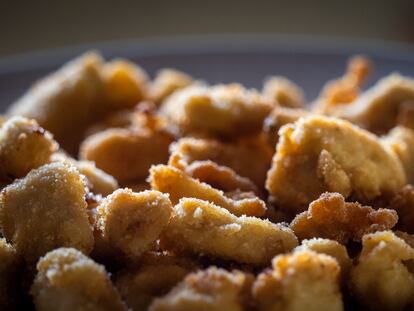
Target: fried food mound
{"x":318,"y":154}
{"x":380,"y":280}
{"x":46,"y":210}
{"x":8,"y":276}
{"x":68,"y":280}
{"x":221,"y":110}
{"x":403,"y":203}
{"x":210,"y":289}
{"x":201,"y":227}
{"x":284,"y":92}
{"x":302,"y":280}
{"x":332,"y":218}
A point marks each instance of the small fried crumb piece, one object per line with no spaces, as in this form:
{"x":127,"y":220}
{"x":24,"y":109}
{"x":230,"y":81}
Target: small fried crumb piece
{"x":46,"y":210}
{"x":401,"y":141}
{"x":125,"y":83}
{"x":179,"y":185}
{"x":302,"y":280}
{"x":132,"y":222}
{"x":8,"y":278}
{"x":332,"y":218}
{"x":318,"y":154}
{"x":284,"y":92}
{"x":210,"y":289}
{"x":222,"y":110}
{"x":68,"y":280}
{"x":200,"y":227}
{"x":24,"y":146}
{"x":403,"y":203}
{"x":238,"y":156}
{"x":380,"y":280}
{"x":166,"y":82}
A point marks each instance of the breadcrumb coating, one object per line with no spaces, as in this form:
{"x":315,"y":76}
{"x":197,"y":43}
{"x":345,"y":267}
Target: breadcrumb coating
{"x":302,"y":280}
{"x":332,"y":218}
{"x":380,"y":280}
{"x":284,"y":92}
{"x":68,"y":280}
{"x":210,"y":289}
{"x":9,"y":264}
{"x":318,"y":154}
{"x":200,"y":227}
{"x":46,"y":210}
{"x":403,"y":203}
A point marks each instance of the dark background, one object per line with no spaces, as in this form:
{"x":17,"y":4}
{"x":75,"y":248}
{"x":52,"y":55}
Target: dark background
{"x":35,"y":25}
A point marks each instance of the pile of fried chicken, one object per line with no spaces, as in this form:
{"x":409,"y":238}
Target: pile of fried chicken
{"x":124,"y":193}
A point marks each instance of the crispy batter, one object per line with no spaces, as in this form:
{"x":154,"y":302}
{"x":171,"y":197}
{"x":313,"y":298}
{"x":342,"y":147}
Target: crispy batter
{"x":403,"y":203}
{"x":168,"y":81}
{"x":179,"y":185}
{"x":211,"y":289}
{"x":380,"y":280}
{"x":319,"y":154}
{"x":221,"y":110}
{"x":127,"y":154}
{"x":131,"y":222}
{"x":24,"y":145}
{"x":238,"y":156}
{"x":332,"y":218}
{"x":401,"y":141}
{"x":46,"y":210}
{"x":68,"y":280}
{"x":283,"y":92}
{"x":302,"y":280}
{"x":8,"y":277}
{"x":201,"y":227}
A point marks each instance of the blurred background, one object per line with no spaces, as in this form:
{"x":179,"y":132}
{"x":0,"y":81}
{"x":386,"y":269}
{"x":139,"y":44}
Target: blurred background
{"x":35,"y":25}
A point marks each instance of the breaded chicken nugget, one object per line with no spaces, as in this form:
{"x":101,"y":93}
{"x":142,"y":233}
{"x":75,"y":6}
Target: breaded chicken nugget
{"x":380,"y":280}
{"x":403,"y":203}
{"x":24,"y":145}
{"x":131,"y":222}
{"x":166,"y":82}
{"x":318,"y":154}
{"x":68,"y":280}
{"x":283,"y":92}
{"x":302,"y":280}
{"x":401,"y":141}
{"x":179,"y":185}
{"x":221,"y":110}
{"x":46,"y":210}
{"x":66,"y":101}
{"x":332,"y":218}
{"x":238,"y":156}
{"x":210,"y":289}
{"x":201,"y":227}
{"x":8,"y":277}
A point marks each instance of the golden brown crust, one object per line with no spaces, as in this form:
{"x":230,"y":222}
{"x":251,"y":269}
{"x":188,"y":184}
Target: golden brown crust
{"x":200,"y":227}
{"x":9,"y":264}
{"x":68,"y":280}
{"x":331,"y":217}
{"x":403,"y":203}
{"x":283,"y":92}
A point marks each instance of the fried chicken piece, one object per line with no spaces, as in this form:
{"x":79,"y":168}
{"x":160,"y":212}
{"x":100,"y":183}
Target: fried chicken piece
{"x":380,"y":280}
{"x":332,"y":218}
{"x":280,"y":116}
{"x":284,"y":92}
{"x":8,"y":278}
{"x":168,"y":81}
{"x":210,"y":289}
{"x":221,"y":110}
{"x":200,"y":227}
{"x":346,"y":89}
{"x":318,"y":154}
{"x":127,"y":154}
{"x":46,"y":210}
{"x":69,"y":280}
{"x":302,"y":280}
{"x":238,"y":156}
{"x":24,"y":146}
{"x":179,"y":185}
{"x":403,"y":203}
{"x":66,"y":101}
{"x":125,"y":83}
{"x":401,"y":141}
{"x":131,"y":222}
